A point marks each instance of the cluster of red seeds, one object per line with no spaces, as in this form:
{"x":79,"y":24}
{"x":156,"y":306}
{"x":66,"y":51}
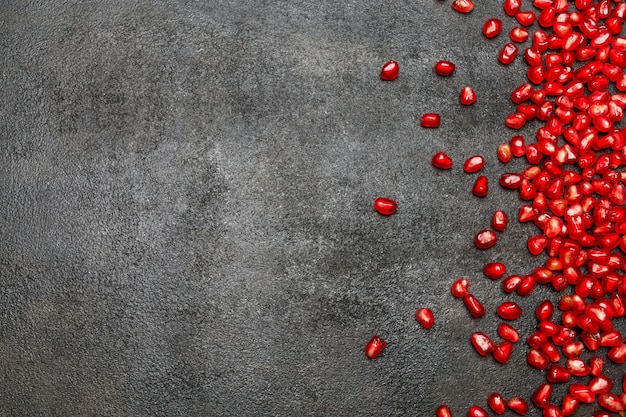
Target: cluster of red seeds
{"x":575,"y":191}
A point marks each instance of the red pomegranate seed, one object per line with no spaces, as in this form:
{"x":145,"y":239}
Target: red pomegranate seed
{"x":577,"y":367}
{"x":582,"y":393}
{"x":551,"y":410}
{"x":477,"y":411}
{"x":445,"y":68}
{"x":467,"y":96}
{"x":374,"y":347}
{"x":385,"y":206}
{"x":482,"y":343}
{"x":497,"y":403}
{"x":610,"y":402}
{"x":541,"y":396}
{"x":442,"y":160}
{"x":558,"y":374}
{"x":431,"y":120}
{"x":518,"y":405}
{"x":537,"y":359}
{"x":390,"y":71}
{"x":511,"y":283}
{"x":525,"y":18}
{"x":518,"y":34}
{"x":508,"y":332}
{"x":474,"y":306}
{"x":536,"y":244}
{"x":494,"y":270}
{"x":425,"y":317}
{"x":481,"y":186}
{"x":499,"y":221}
{"x":515,"y":120}
{"x":508,"y":53}
{"x":444,"y":411}
{"x":617,"y":354}
{"x":485,"y":239}
{"x":509,"y":310}
{"x":600,"y":384}
{"x":460,"y":288}
{"x":526,"y":286}
{"x":474,"y":164}
{"x":492,"y":28}
{"x":596,"y":365}
{"x":502,"y":352}
{"x":463,"y":6}
{"x":544,"y":310}
{"x":504,"y":152}
{"x":512,"y":6}
{"x":569,"y":405}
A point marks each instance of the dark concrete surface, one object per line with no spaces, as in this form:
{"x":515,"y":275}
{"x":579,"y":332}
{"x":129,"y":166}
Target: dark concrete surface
{"x":186,"y":221}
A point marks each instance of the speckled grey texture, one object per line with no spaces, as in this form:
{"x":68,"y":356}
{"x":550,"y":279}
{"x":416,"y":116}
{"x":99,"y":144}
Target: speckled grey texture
{"x":186,"y":221}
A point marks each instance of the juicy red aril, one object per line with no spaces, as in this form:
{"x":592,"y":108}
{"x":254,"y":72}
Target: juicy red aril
{"x":502,"y":352}
{"x":467,"y":97}
{"x":577,"y":367}
{"x":385,"y":206}
{"x":610,"y":402}
{"x":499,"y":220}
{"x":504,"y":153}
{"x":481,"y":186}
{"x":463,"y":6}
{"x":511,"y":7}
{"x":508,"y":332}
{"x":442,"y":160}
{"x":425,"y":317}
{"x":492,"y":28}
{"x":374,"y":347}
{"x":494,"y":270}
{"x":460,"y":288}
{"x":445,"y":68}
{"x":537,"y":359}
{"x":526,"y":18}
{"x":518,"y":34}
{"x":551,"y":410}
{"x":485,"y":239}
{"x":444,"y":411}
{"x":541,"y":396}
{"x":515,"y":120}
{"x":600,"y":384}
{"x":474,"y":164}
{"x":544,"y":310}
{"x":477,"y":411}
{"x":509,"y":310}
{"x":497,"y":403}
{"x":582,"y":393}
{"x":557,"y":374}
{"x":482,"y":343}
{"x":518,"y":405}
{"x":431,"y":120}
{"x":390,"y":71}
{"x":474,"y":306}
{"x":508,"y":53}
{"x":596,"y":365}
{"x":536,"y":244}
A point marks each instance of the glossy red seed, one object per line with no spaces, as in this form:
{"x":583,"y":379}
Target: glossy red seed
{"x":431,"y":120}
{"x":481,"y":186}
{"x":494,"y":270}
{"x":511,"y":7}
{"x":558,"y":374}
{"x":582,"y":393}
{"x":610,"y":402}
{"x":485,"y":239}
{"x":518,"y":405}
{"x":442,"y":160}
{"x":504,"y":152}
{"x":515,"y":121}
{"x":463,"y":6}
{"x":477,"y":411}
{"x":596,"y":365}
{"x":444,"y":411}
{"x":502,"y":352}
{"x":617,"y":354}
{"x":482,"y":343}
{"x":385,"y":206}
{"x":518,"y":34}
{"x":544,"y":310}
{"x":569,"y":405}
{"x":473,"y":164}
{"x":460,"y":288}
{"x":508,"y":332}
{"x":390,"y":71}
{"x":541,"y":396}
{"x":600,"y":384}
{"x":508,"y":53}
{"x":445,"y":68}
{"x":537,"y":359}
{"x":499,"y":221}
{"x":474,"y":306}
{"x":425,"y":317}
{"x":525,"y":18}
{"x":374,"y":347}
{"x":492,"y":28}
{"x":577,"y":367}
{"x":467,"y":97}
{"x":551,"y":410}
{"x":509,"y":310}
{"x":536,"y":244}
{"x":497,"y":403}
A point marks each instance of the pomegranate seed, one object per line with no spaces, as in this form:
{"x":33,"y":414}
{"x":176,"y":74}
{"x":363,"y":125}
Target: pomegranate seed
{"x":525,"y":18}
{"x":511,"y":7}
{"x":492,"y":28}
{"x":558,"y":374}
{"x":610,"y":402}
{"x":494,"y":270}
{"x":504,"y":152}
{"x":499,"y":220}
{"x":544,"y":310}
{"x":482,"y":343}
{"x":485,"y":239}
{"x":508,"y":332}
{"x":460,"y":288}
{"x":444,"y":411}
{"x":541,"y":396}
{"x":582,"y":393}
{"x":431,"y":120}
{"x":577,"y":367}
{"x":425,"y":317}
{"x":537,"y":359}
{"x":518,"y":34}
{"x":515,"y":120}
{"x":617,"y":354}
{"x":518,"y":148}
{"x":463,"y":6}
{"x":481,"y":186}
{"x":518,"y":405}
{"x":467,"y":96}
{"x":442,"y":160}
{"x":476,"y":411}
{"x":596,"y":365}
{"x":445,"y":68}
{"x":502,"y":352}
{"x":374,"y":347}
{"x":551,"y":410}
{"x":497,"y":403}
{"x":385,"y":206}
{"x":474,"y":306}
{"x":474,"y":164}
{"x":509,"y":310}
{"x":569,"y":405}
{"x":390,"y":71}
{"x":508,"y":53}
{"x":536,"y":244}
{"x":600,"y":384}
{"x":511,"y":283}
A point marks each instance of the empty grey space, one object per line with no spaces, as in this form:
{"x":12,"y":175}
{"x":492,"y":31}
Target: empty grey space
{"x":186,"y":208}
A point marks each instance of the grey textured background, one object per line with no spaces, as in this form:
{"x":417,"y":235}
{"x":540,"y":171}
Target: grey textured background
{"x":186,"y":221}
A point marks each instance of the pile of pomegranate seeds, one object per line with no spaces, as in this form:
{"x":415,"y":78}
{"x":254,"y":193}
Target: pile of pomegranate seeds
{"x":573,"y":191}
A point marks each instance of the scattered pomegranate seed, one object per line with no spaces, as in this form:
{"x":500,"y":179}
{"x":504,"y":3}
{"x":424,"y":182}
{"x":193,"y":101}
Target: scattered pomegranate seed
{"x":504,"y":153}
{"x":518,"y":34}
{"x":474,"y":164}
{"x":385,"y":206}
{"x":445,"y":68}
{"x":442,"y":160}
{"x":390,"y":71}
{"x":541,"y":396}
{"x":526,"y":18}
{"x":467,"y":96}
{"x":508,"y":332}
{"x":509,"y":310}
{"x":494,"y":270}
{"x":444,"y":411}
{"x":474,"y":306}
{"x":375,"y":347}
{"x":425,"y":317}
{"x":460,"y":288}
{"x":508,"y":53}
{"x":485,"y":239}
{"x":518,"y":405}
{"x":481,"y":186}
{"x":502,"y":352}
{"x":463,"y":6}
{"x":492,"y":28}
{"x":431,"y":120}
{"x":497,"y":403}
